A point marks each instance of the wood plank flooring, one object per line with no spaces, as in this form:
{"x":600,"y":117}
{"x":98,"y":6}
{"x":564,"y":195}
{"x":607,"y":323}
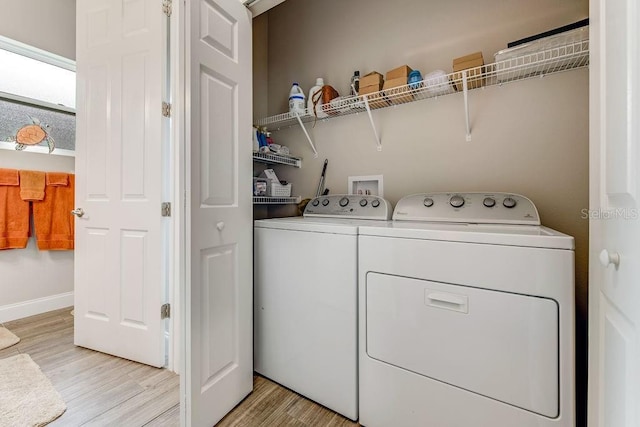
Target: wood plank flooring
{"x":99,"y":390}
{"x":102,"y":390}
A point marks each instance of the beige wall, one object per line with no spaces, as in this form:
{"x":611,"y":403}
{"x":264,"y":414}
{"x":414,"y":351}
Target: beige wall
{"x":529,"y":137}
{"x":48,"y":25}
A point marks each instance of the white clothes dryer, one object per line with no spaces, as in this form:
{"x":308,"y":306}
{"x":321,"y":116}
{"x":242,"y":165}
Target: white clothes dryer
{"x":466,"y":315}
{"x":305,"y":298}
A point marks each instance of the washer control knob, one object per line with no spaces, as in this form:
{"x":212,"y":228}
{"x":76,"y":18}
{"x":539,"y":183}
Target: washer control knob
{"x":375,"y":203}
{"x":316,"y":202}
{"x":325,"y":202}
{"x":509,"y":202}
{"x":428,"y":202}
{"x":489,"y":202}
{"x":456,"y":201}
{"x":344,"y":201}
{"x":363,"y":202}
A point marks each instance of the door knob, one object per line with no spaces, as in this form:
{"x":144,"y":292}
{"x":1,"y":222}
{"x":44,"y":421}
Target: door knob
{"x":607,"y":258}
{"x":77,"y":212}
{"x":220,"y":226}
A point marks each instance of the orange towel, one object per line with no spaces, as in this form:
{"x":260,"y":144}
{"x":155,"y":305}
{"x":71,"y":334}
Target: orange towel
{"x":52,"y":219}
{"x":57,"y":178}
{"x":32,"y":185}
{"x":9,"y":177}
{"x":14,"y":212}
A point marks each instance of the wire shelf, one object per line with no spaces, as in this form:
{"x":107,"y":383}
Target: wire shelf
{"x":263,"y":200}
{"x":557,"y":59}
{"x":280,"y":159}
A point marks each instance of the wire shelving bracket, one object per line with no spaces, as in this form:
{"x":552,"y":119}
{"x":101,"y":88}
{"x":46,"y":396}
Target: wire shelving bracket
{"x":373,"y":125}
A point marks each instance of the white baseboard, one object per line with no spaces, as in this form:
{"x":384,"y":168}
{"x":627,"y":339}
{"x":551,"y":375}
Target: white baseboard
{"x":35,"y":306}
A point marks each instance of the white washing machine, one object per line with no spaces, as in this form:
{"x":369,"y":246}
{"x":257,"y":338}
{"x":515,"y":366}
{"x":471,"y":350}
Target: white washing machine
{"x":305,"y":298}
{"x":466,"y":315}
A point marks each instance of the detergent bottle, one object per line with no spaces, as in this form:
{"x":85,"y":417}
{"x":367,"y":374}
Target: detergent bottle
{"x":296,"y":100}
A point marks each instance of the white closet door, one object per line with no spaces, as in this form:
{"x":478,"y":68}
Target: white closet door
{"x":219,"y":283}
{"x":614,"y":297}
{"x":118,"y":281}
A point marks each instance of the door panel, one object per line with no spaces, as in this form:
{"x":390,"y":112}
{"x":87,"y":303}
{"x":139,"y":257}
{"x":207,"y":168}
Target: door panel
{"x":218,"y":107}
{"x":621,"y":140}
{"x":219,"y":371}
{"x":118,"y":272}
{"x":614,"y":270}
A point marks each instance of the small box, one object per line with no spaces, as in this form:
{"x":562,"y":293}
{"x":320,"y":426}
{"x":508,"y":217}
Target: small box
{"x":259,"y":187}
{"x":376,"y":100}
{"x":401,"y":71}
{"x":371,"y":79}
{"x":397,"y":91}
{"x":474,"y":77}
{"x":470,"y":57}
{"x":365,"y":90}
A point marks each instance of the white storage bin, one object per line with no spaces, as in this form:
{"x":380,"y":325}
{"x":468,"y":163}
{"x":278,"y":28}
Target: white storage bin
{"x":275,"y":189}
{"x":553,"y":53}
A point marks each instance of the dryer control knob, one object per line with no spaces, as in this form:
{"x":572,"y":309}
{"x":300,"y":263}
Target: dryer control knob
{"x":316,"y":202}
{"x":489,"y":202}
{"x":325,"y":202}
{"x":344,"y":201}
{"x":375,"y":203}
{"x":363,"y":202}
{"x":428,"y":202}
{"x":509,"y":202}
{"x":456,"y":201}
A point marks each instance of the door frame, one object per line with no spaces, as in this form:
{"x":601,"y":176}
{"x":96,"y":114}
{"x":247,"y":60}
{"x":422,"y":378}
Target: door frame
{"x":177,"y":170}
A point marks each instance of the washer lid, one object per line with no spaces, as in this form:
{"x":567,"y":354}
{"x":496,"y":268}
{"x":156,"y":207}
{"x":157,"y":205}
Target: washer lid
{"x":534,"y":236}
{"x":316,"y":224}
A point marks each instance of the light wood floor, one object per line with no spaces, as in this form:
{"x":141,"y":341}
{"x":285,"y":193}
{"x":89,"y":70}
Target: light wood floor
{"x":102,"y":390}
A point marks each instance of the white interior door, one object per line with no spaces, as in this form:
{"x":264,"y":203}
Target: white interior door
{"x":219,"y":371}
{"x":119,"y":287}
{"x":614,"y":297}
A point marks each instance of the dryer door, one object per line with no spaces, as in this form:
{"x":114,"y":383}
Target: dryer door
{"x":500,"y":345}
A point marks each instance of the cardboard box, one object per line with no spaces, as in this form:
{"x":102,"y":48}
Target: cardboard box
{"x":468,"y":64}
{"x":470,"y":57}
{"x":377,"y":100}
{"x":369,"y":89}
{"x":371,"y":79}
{"x":402,"y":71}
{"x":397,"y":91}
{"x":474,"y":77}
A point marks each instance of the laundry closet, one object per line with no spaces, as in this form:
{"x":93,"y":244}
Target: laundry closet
{"x":529,"y":137}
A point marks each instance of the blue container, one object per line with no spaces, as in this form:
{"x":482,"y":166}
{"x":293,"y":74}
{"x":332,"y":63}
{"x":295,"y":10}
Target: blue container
{"x":415,"y":79}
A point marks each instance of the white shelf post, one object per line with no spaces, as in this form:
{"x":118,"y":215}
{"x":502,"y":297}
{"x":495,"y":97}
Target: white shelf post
{"x":373,"y":126}
{"x":465,"y":90}
{"x":313,"y":147}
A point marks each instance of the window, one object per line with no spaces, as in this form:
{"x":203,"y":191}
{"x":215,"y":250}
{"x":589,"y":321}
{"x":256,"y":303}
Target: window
{"x":36,"y":87}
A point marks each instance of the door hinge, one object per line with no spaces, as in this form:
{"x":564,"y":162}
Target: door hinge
{"x":166,"y":109}
{"x":165,"y":209}
{"x":165,"y":311}
{"x":166,"y":7}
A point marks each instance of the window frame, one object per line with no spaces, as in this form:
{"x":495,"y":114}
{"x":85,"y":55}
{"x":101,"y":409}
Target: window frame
{"x":41,"y":55}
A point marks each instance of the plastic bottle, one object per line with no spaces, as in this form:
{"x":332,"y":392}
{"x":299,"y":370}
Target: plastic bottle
{"x":313,"y":90}
{"x":355,"y":83}
{"x":296,"y":100}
